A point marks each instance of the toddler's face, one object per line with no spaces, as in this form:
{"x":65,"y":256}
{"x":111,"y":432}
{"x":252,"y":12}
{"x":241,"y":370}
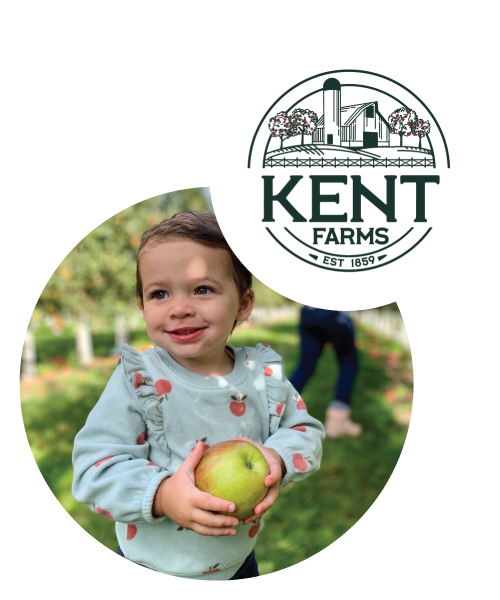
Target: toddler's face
{"x":190,"y":300}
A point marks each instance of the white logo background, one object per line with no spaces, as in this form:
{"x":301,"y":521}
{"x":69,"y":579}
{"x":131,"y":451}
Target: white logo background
{"x":237,"y":191}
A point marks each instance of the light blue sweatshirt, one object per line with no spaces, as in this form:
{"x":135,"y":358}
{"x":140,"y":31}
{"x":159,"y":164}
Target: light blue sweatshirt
{"x":148,"y":419}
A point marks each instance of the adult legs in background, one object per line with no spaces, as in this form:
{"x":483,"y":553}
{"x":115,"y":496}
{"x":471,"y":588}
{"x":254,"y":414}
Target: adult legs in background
{"x":312,"y":339}
{"x":341,"y":336}
{"x":318,"y":326}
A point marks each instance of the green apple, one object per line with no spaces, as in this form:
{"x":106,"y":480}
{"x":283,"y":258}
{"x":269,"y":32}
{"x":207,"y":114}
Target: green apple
{"x":235,"y":471}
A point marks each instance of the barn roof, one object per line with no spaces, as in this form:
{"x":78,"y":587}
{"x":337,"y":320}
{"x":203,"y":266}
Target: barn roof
{"x":348,"y":114}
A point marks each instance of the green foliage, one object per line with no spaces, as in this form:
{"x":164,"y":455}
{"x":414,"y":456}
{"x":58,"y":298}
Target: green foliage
{"x":309,"y":515}
{"x":265,"y":296}
{"x":96,"y":280}
{"x":392,"y":307}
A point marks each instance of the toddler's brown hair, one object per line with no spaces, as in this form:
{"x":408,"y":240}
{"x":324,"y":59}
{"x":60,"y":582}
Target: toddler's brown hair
{"x":199,"y":227}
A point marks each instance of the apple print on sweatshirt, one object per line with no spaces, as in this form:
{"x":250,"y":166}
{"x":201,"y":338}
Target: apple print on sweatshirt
{"x":279,"y":408}
{"x":300,"y":403}
{"x":238,"y":406}
{"x":99,"y":462}
{"x":205,"y":446}
{"x":299,"y":463}
{"x":104,"y":513}
{"x":254,"y":529}
{"x":212,"y":569}
{"x":163,"y":388}
{"x":136,"y":380}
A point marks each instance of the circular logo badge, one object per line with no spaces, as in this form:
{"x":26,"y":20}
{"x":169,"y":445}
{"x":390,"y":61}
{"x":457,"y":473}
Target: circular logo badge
{"x":346,"y":174}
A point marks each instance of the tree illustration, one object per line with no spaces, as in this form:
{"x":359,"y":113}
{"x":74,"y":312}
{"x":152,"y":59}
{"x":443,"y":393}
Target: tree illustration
{"x":402,"y":122}
{"x":279,"y":126}
{"x":304,"y":122}
{"x":421,"y":129}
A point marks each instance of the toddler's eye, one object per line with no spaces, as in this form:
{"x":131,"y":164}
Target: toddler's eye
{"x":159,"y":295}
{"x":203,"y":291}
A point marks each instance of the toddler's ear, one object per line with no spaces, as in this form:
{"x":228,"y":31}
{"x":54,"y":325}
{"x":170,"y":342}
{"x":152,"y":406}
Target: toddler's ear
{"x":246,"y":306}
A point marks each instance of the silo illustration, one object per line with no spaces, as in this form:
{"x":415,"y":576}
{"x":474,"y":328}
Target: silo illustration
{"x":331,"y":111}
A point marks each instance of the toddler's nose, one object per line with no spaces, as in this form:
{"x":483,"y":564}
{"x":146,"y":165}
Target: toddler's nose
{"x":181,"y":309}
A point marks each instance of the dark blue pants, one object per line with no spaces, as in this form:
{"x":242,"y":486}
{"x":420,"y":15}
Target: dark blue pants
{"x":318,"y":326}
{"x":248,"y":568}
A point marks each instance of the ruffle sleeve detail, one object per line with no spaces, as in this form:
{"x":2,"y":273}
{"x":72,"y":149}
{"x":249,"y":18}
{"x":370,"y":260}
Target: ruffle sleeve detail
{"x":275,"y":385}
{"x":150,"y":393}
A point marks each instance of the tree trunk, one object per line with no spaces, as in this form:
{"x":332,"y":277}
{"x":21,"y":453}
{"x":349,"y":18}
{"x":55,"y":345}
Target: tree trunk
{"x":400,"y":139}
{"x":419,"y":142}
{"x":84,"y":346}
{"x":121,"y":333}
{"x":281,"y":147}
{"x":28,"y":360}
{"x":302,"y":139}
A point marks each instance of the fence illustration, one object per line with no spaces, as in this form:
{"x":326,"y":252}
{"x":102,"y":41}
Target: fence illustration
{"x":349,"y":162}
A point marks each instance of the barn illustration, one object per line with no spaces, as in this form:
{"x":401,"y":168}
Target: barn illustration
{"x":354,"y":126}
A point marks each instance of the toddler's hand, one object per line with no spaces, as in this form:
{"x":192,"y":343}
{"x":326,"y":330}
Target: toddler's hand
{"x":277,"y":471}
{"x":179,"y":499}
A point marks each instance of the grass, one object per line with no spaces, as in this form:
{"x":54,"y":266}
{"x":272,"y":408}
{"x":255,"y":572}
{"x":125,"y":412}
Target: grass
{"x":309,"y":515}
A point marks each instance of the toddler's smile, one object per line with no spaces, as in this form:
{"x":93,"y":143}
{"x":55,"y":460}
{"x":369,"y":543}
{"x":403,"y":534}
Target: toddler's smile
{"x":191,"y":302}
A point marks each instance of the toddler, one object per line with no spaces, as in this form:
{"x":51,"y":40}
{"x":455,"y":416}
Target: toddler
{"x":134,"y":459}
